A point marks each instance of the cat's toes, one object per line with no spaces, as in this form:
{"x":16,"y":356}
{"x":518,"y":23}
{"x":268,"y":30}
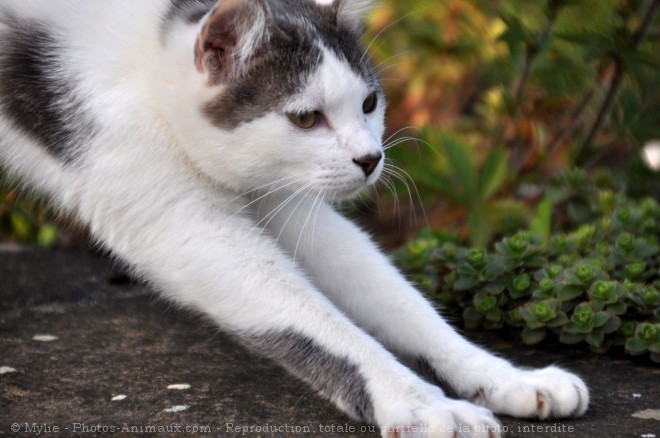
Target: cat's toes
{"x":545,"y":393}
{"x":445,"y":419}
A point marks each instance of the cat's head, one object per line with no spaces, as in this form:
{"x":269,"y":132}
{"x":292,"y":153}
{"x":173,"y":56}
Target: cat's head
{"x":291,"y":97}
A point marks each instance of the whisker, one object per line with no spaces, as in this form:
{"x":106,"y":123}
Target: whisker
{"x":405,"y":52}
{"x":268,"y":193}
{"x":407,"y":176}
{"x":389,"y":184}
{"x":399,"y":80}
{"x":399,"y":131}
{"x":286,"y":222}
{"x":413,"y":213}
{"x":316,"y":218}
{"x":389,"y":67}
{"x":242,"y":195}
{"x":403,"y":139}
{"x":302,"y":229}
{"x":373,"y":40}
{"x":271,"y":215}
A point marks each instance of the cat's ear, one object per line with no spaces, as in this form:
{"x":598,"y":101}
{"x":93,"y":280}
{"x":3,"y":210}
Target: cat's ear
{"x":351,"y":13}
{"x":230,"y":34}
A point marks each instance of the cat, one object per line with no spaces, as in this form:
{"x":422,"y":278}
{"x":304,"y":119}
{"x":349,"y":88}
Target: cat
{"x":204,"y":143}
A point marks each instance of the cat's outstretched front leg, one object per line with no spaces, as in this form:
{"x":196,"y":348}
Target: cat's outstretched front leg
{"x":227,"y":269}
{"x":360,"y":280}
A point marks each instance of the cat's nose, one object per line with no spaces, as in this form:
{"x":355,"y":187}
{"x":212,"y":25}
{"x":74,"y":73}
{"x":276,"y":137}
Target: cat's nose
{"x":368,"y":163}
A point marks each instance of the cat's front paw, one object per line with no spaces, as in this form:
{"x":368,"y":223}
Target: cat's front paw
{"x":544,"y":393}
{"x":438,"y":417}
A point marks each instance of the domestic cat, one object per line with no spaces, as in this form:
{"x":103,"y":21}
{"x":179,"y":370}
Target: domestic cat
{"x":203,"y":143}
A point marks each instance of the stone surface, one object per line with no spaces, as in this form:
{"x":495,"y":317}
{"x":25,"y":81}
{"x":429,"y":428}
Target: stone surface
{"x":93,"y":353}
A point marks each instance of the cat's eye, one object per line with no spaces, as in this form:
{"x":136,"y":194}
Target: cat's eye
{"x":370,"y":103}
{"x":305,"y":120}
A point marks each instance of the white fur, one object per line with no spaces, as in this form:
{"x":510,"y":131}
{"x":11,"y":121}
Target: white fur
{"x":235,"y":223}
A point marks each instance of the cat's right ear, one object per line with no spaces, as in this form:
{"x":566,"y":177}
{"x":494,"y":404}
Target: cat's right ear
{"x":230,"y":34}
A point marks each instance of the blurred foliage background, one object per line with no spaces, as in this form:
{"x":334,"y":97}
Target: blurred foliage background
{"x":487,"y":101}
{"x":491,"y":99}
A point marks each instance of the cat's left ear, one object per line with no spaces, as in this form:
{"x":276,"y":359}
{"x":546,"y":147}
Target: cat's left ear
{"x":351,"y":13}
{"x":231,"y":33}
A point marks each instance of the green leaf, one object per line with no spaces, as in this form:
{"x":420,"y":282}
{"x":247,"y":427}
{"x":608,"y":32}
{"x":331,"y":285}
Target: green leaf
{"x":515,"y":37}
{"x":533,"y":336}
{"x":493,"y":288}
{"x":600,"y":319}
{"x":596,"y":338}
{"x":47,"y":235}
{"x":518,"y":286}
{"x":481,"y":228}
{"x":541,"y":294}
{"x":570,"y":292}
{"x":618,"y":308}
{"x":493,"y":174}
{"x":437,"y":182}
{"x":21,"y":227}
{"x":527,"y":314}
{"x":558,"y":321}
{"x":462,"y":167}
{"x":484,"y":303}
{"x":635,"y":346}
{"x":494,"y":268}
{"x":494,"y":315}
{"x":542,"y":220}
{"x":571,"y":338}
{"x":654,"y":348}
{"x":472,"y":314}
{"x":575,"y":328}
{"x":465,"y":283}
{"x":612,"y":325}
{"x":602,"y":348}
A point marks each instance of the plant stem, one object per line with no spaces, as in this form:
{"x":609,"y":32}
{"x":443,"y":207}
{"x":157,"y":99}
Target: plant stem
{"x":531,"y":51}
{"x":572,"y":122}
{"x":612,"y":91}
{"x":640,"y":34}
{"x":617,"y":79}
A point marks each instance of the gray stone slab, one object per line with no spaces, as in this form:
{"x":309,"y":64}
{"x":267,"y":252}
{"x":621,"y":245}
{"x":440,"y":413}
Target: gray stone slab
{"x":115,"y":349}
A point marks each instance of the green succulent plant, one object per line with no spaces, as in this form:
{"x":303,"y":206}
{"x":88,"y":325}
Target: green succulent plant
{"x":595,"y":283}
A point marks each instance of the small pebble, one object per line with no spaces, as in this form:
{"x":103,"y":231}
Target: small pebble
{"x":636,"y":395}
{"x":178,"y":408}
{"x":180,"y":386}
{"x":119,"y":397}
{"x":5,"y":370}
{"x":648,"y":414}
{"x":648,"y":435}
{"x":45,"y":338}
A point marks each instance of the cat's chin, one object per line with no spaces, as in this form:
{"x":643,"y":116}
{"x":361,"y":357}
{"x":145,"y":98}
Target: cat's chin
{"x":334,"y":196}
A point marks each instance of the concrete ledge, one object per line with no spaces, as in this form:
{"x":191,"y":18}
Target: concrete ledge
{"x":84,"y":352}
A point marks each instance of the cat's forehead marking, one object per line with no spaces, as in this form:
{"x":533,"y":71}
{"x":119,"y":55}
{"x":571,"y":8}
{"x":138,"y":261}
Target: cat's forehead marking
{"x":282,"y":67}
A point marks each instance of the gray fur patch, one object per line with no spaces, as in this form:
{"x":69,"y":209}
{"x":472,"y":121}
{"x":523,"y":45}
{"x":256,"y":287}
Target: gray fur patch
{"x":281,"y":67}
{"x":334,"y":377}
{"x":428,"y":372}
{"x":320,"y":22}
{"x":32,"y":94}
